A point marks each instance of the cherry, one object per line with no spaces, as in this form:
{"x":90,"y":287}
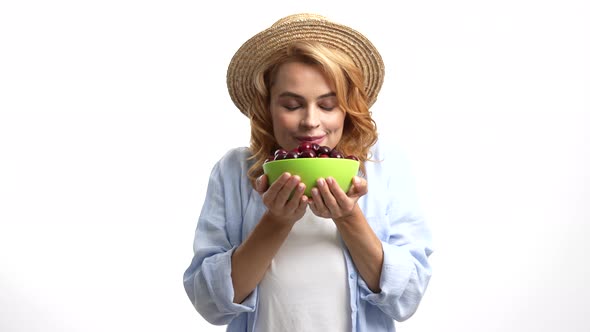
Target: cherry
{"x":279,"y":151}
{"x":308,"y":153}
{"x":292,"y":155}
{"x":336,"y":154}
{"x":305,"y":146}
{"x":281,"y":156}
{"x":324,"y":149}
{"x":308,"y":150}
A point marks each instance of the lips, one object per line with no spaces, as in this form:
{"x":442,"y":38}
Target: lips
{"x":311,"y":139}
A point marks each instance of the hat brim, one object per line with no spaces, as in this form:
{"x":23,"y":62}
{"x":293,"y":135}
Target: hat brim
{"x":246,"y":60}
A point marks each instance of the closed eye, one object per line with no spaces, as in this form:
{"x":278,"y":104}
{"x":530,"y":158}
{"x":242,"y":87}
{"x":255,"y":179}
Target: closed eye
{"x":291,"y":107}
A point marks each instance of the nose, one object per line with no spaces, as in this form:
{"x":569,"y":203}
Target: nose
{"x":311,"y":117}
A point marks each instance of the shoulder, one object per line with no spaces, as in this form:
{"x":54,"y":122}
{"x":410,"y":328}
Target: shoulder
{"x":235,"y":156}
{"x":231,"y":169}
{"x":234,"y":162}
{"x":238,"y":157}
{"x":387,"y":153}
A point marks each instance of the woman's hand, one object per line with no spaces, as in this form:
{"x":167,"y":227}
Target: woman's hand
{"x":284,"y":199}
{"x":329,"y":201}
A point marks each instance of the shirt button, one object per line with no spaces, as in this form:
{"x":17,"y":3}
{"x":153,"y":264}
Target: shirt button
{"x":351,"y":276}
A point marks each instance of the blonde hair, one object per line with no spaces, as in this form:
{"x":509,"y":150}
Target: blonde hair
{"x":360,"y":130}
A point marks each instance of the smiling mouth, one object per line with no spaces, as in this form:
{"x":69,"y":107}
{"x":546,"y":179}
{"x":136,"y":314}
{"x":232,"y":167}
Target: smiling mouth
{"x":311,"y":139}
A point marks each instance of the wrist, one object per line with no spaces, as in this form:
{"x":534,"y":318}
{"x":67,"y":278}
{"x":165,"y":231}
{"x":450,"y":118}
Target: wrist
{"x":278,"y":223}
{"x":354,"y":216}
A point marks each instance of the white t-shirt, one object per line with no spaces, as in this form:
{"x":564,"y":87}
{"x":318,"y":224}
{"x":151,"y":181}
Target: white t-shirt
{"x":305,"y":288}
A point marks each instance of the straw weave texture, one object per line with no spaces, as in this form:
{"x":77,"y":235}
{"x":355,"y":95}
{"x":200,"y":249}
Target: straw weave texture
{"x":302,"y":27}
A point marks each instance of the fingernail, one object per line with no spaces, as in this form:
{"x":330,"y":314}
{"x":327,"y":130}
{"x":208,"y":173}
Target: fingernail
{"x":321,"y":182}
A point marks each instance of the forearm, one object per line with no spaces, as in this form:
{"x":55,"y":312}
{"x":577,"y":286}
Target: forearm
{"x":364,"y":246}
{"x":253,"y":257}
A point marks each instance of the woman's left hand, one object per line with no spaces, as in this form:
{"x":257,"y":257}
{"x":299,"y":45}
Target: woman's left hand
{"x":329,"y":201}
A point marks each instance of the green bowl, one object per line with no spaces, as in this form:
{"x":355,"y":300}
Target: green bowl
{"x":311,"y":169}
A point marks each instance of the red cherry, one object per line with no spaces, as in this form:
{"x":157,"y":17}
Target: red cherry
{"x":308,"y":150}
{"x":280,"y":156}
{"x":305,"y":146}
{"x":336,"y":154}
{"x":308,"y":153}
{"x":292,"y":155}
{"x":279,"y":151}
{"x":324,"y":149}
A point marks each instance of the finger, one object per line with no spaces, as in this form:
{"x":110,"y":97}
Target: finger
{"x":358,"y":188}
{"x":317,"y":204}
{"x":343,"y":201}
{"x":295,"y":196}
{"x":317,"y":211}
{"x":327,"y":197}
{"x":271,"y":194}
{"x":316,"y":200}
{"x":340,"y":197}
{"x":261,"y":184}
{"x":313,"y":208}
{"x":285,"y":192}
{"x":303,"y":203}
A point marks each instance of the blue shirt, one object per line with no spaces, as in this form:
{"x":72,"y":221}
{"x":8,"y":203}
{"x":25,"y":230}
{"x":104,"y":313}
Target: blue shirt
{"x":232,"y":208}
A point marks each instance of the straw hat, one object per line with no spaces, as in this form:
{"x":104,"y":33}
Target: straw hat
{"x":302,"y":27}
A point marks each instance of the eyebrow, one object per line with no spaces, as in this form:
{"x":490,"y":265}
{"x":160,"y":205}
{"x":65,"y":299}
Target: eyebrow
{"x":294,"y":95}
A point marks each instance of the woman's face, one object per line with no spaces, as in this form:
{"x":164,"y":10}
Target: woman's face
{"x":304,"y":107}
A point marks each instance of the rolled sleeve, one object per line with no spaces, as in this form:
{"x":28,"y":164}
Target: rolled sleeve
{"x":207,"y":280}
{"x":404,"y":279}
{"x":406,"y":239}
{"x":214,"y":292}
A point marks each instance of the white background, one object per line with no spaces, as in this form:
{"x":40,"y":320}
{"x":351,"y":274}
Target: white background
{"x":112,"y":114}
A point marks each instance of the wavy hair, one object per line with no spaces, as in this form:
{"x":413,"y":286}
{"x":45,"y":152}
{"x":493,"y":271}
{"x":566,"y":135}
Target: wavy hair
{"x":360,"y":130}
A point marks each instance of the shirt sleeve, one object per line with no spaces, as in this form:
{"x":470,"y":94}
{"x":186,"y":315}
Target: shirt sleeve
{"x":207,"y":280}
{"x":407,"y":244}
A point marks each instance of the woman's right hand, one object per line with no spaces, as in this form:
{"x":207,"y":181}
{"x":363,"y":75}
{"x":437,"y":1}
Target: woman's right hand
{"x":283,"y":199}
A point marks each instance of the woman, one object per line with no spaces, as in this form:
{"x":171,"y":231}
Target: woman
{"x":269,"y":258}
